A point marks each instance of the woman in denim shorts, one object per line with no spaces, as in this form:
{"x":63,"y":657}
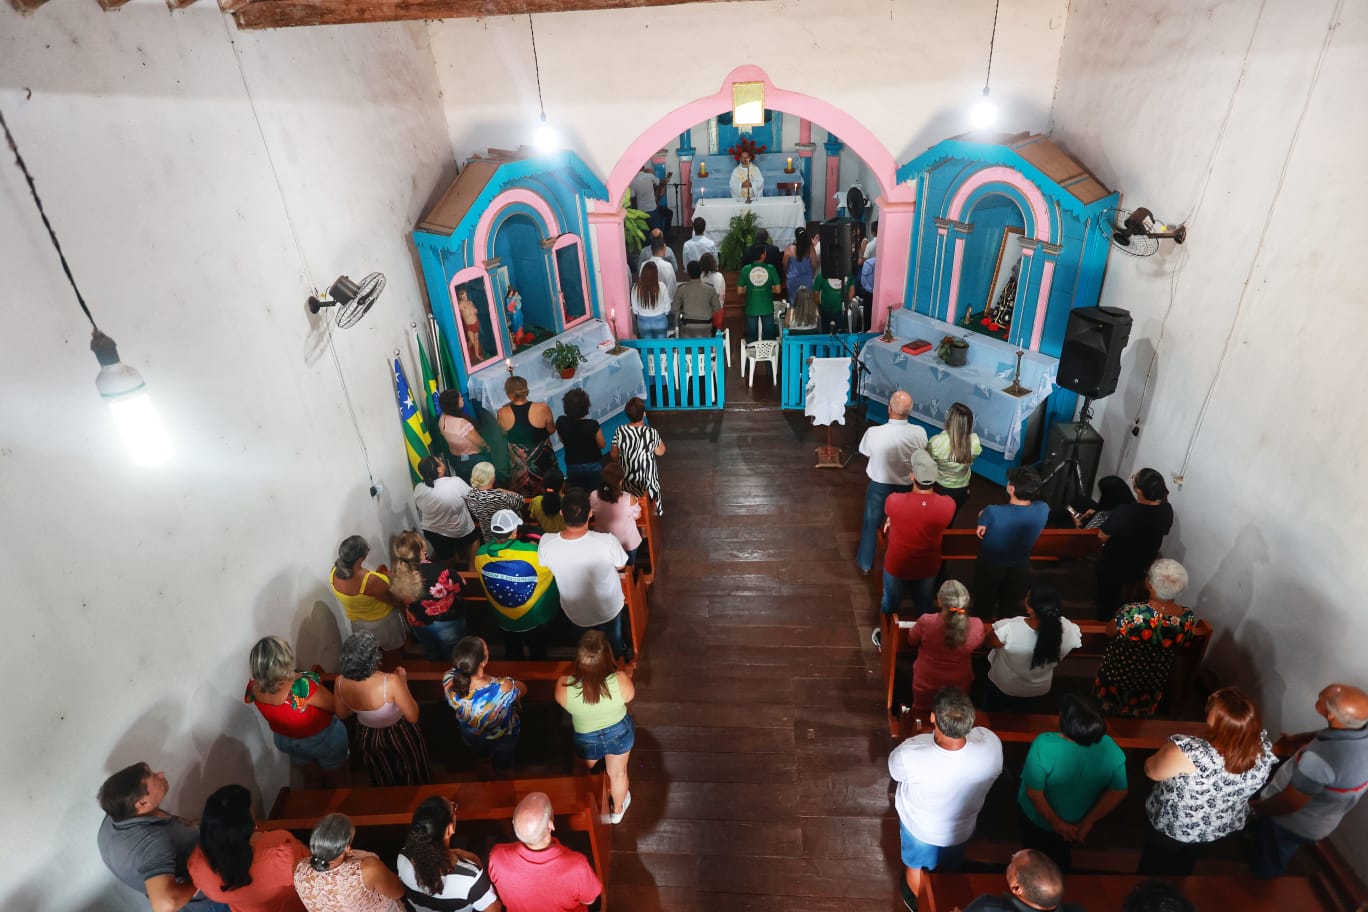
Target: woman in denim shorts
{"x":299,"y":711}
{"x":596,"y":696}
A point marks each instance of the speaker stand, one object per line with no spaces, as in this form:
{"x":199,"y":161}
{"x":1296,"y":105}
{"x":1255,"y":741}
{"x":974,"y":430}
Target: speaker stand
{"x":1073,"y":481}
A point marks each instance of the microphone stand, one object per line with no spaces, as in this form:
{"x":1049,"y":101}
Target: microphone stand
{"x":679,"y":205}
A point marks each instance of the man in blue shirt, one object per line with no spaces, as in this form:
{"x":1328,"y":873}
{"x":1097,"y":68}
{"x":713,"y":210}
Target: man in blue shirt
{"x":1009,"y":532}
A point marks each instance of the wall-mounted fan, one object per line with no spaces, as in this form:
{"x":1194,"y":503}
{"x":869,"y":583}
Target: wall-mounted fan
{"x":1137,"y":232}
{"x":856,"y":203}
{"x":352,"y":299}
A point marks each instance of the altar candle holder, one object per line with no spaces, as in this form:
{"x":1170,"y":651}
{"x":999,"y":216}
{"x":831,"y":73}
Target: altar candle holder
{"x":508,"y":365}
{"x":788,"y":168}
{"x":887,"y":337}
{"x":1016,"y":389}
{"x":618,"y":348}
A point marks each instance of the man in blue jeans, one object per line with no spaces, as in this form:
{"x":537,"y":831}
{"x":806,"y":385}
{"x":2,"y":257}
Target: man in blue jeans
{"x":889,"y":448}
{"x":146,"y":847}
{"x":1324,"y":776}
{"x":1009,"y":532}
{"x":916,"y":524}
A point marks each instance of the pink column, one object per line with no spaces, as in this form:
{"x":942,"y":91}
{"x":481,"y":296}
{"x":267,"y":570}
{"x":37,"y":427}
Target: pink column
{"x":610,"y":244}
{"x":686,"y":187}
{"x":833,"y":185}
{"x":804,"y":131}
{"x":895,"y":241}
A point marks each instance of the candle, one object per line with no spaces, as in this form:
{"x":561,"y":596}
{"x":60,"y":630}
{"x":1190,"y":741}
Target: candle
{"x":790,"y":163}
{"x":508,"y":363}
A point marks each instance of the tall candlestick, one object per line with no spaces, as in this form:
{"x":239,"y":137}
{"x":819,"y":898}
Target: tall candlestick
{"x":508,"y":363}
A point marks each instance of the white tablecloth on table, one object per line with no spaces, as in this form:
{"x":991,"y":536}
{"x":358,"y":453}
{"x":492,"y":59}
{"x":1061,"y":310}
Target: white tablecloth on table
{"x":610,"y":380}
{"x":779,"y":215}
{"x":934,"y":387}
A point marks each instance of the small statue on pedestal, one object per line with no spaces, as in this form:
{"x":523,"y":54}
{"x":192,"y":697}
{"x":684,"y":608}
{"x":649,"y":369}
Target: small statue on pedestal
{"x":470,"y":325}
{"x":513,"y":308}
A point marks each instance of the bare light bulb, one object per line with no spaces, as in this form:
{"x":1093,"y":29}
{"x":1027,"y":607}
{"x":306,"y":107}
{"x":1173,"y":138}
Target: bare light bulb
{"x":122,"y":387}
{"x":984,"y":112}
{"x":546,"y":139}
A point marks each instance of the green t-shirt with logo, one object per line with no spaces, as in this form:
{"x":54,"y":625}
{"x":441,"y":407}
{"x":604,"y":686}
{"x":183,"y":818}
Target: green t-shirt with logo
{"x":757,"y":280}
{"x":830,"y":294}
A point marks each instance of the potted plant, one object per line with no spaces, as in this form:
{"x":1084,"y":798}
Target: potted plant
{"x":731,"y":253}
{"x":953,"y":350}
{"x":565,"y":357}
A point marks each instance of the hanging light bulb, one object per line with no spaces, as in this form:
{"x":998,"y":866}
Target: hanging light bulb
{"x":122,"y":387}
{"x":984,"y":113}
{"x":546,"y":138}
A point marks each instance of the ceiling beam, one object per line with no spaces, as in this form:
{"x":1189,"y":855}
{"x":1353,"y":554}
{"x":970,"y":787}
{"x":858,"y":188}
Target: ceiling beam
{"x":259,"y":14}
{"x":179,"y":4}
{"x":27,"y":6}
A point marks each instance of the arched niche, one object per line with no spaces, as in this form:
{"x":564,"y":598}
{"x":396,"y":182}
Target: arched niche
{"x":572,"y":278}
{"x":484,"y":345}
{"x":515,"y":236}
{"x":991,"y":263}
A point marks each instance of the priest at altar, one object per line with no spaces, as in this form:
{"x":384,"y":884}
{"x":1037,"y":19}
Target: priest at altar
{"x":747,"y":183}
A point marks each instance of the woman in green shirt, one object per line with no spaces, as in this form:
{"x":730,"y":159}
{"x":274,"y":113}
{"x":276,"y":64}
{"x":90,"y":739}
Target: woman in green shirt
{"x":955,"y":450}
{"x":596,"y":697}
{"x":1072,"y":779}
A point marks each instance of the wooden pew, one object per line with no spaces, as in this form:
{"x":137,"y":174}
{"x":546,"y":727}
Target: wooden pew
{"x":943,"y":892}
{"x":1022,"y":728}
{"x":540,"y":675}
{"x":1185,"y":664}
{"x":648,"y":558}
{"x":576,"y":797}
{"x":1052,"y":545}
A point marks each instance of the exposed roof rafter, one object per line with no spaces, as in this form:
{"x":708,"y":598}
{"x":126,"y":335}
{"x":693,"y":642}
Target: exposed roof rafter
{"x":259,"y":14}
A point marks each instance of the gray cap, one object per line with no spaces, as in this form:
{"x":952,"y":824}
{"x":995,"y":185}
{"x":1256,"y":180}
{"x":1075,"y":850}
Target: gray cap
{"x":924,"y":468}
{"x":505,"y":522}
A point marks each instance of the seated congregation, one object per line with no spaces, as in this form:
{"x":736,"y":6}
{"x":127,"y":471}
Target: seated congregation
{"x":1211,"y":781}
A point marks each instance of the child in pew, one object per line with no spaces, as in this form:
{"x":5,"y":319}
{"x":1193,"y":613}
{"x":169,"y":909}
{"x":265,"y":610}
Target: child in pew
{"x":545,"y":508}
{"x":1025,"y":651}
{"x":615,"y":511}
{"x":488,"y":709}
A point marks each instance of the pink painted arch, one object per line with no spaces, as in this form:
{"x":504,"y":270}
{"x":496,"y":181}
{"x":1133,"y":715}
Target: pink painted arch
{"x":854,"y":134}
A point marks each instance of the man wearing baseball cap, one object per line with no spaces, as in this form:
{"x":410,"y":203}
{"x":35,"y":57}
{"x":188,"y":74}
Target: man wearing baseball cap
{"x":915,"y":521}
{"x":522,"y":591}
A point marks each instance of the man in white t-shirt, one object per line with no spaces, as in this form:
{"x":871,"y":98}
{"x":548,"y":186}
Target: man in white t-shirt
{"x":585,"y":565}
{"x":943,"y":777}
{"x":443,"y":516}
{"x":889,"y":448}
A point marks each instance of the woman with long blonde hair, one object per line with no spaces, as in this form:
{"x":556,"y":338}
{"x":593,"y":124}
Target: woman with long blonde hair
{"x":432,"y":592}
{"x":596,"y":697}
{"x":651,"y":303}
{"x":955,"y":450}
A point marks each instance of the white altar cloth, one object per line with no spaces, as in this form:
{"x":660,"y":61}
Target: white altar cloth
{"x":779,"y":215}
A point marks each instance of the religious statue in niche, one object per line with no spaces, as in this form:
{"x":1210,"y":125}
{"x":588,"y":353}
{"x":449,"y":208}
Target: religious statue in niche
{"x":513,"y":313}
{"x":747,"y":183}
{"x":1002,"y":309}
{"x":470,"y":325}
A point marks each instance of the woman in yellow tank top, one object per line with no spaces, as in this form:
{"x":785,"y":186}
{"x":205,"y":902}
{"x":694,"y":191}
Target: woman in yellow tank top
{"x":365,"y":596}
{"x":596,"y":697}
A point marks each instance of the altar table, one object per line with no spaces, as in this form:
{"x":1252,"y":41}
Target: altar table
{"x":610,"y":380}
{"x":991,"y":364}
{"x":779,"y":215}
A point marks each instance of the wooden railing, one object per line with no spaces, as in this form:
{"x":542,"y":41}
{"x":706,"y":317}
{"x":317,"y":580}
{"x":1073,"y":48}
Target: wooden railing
{"x":795,"y":354}
{"x":683,"y":374}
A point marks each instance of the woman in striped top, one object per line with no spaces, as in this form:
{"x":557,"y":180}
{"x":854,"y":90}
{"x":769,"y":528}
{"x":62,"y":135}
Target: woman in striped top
{"x":636,"y":445}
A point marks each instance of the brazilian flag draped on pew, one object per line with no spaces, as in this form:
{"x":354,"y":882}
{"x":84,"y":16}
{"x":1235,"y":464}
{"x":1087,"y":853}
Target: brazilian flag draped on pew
{"x":417,"y":440}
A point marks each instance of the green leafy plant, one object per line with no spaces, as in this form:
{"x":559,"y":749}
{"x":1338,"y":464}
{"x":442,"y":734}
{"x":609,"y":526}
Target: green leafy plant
{"x":635,"y":224}
{"x":565,"y":356}
{"x":740,"y":236}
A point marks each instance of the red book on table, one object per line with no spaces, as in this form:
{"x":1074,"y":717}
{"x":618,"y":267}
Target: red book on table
{"x":917,"y":346}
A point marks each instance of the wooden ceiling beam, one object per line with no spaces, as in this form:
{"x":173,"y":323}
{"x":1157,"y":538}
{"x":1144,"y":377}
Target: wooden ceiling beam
{"x":27,"y":6}
{"x":260,"y":14}
{"x":179,"y":4}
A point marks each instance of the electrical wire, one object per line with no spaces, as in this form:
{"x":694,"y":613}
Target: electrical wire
{"x":536,"y":66}
{"x":52,"y":233}
{"x":1263,"y":234}
{"x":299,"y":249}
{"x":988,"y":77}
{"x":1192,"y":219}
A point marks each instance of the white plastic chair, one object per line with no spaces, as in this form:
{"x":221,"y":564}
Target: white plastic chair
{"x":762,"y":349}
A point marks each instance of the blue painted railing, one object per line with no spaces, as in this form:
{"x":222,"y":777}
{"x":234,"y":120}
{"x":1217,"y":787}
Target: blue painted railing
{"x":796,"y":352}
{"x":683,"y":374}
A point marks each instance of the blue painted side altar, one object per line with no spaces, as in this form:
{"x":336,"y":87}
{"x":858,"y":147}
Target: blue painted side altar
{"x":1006,"y":225}
{"x":510,"y":221}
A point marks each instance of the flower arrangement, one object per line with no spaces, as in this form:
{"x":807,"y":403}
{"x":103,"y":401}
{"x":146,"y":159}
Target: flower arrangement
{"x":745,"y":144}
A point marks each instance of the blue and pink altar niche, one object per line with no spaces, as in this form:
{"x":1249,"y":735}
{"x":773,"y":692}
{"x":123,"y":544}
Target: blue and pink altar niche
{"x":509,"y":274}
{"x":1004,"y":244}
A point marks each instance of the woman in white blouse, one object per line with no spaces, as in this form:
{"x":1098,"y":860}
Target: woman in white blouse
{"x":651,"y":303}
{"x":1025,"y":651}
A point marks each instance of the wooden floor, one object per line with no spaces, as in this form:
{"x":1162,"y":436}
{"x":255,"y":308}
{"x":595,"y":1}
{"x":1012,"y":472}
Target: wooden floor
{"x":758,"y":779}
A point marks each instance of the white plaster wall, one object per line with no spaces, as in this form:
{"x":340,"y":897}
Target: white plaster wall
{"x":1260,"y":313}
{"x":907,"y":69}
{"x":134,"y":595}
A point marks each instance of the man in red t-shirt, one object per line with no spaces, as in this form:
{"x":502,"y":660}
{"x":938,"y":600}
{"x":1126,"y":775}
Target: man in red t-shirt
{"x":916,"y":521}
{"x":537,"y":873}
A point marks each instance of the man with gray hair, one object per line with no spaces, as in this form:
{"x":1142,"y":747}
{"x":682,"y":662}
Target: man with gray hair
{"x":537,"y":873}
{"x":889,"y":448}
{"x":943,"y":778}
{"x":1325,"y":775}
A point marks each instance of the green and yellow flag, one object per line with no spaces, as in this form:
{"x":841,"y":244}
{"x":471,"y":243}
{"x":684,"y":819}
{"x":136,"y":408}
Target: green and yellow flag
{"x":417,"y":440}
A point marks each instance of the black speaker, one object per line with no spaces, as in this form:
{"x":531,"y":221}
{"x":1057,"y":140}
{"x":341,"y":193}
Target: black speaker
{"x":838,"y":248}
{"x":1066,"y":438}
{"x":1090,"y":361}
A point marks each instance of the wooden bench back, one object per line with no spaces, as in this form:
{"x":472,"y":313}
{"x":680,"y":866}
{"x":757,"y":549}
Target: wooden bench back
{"x":943,"y":892}
{"x":1052,"y":545}
{"x":1022,"y":728}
